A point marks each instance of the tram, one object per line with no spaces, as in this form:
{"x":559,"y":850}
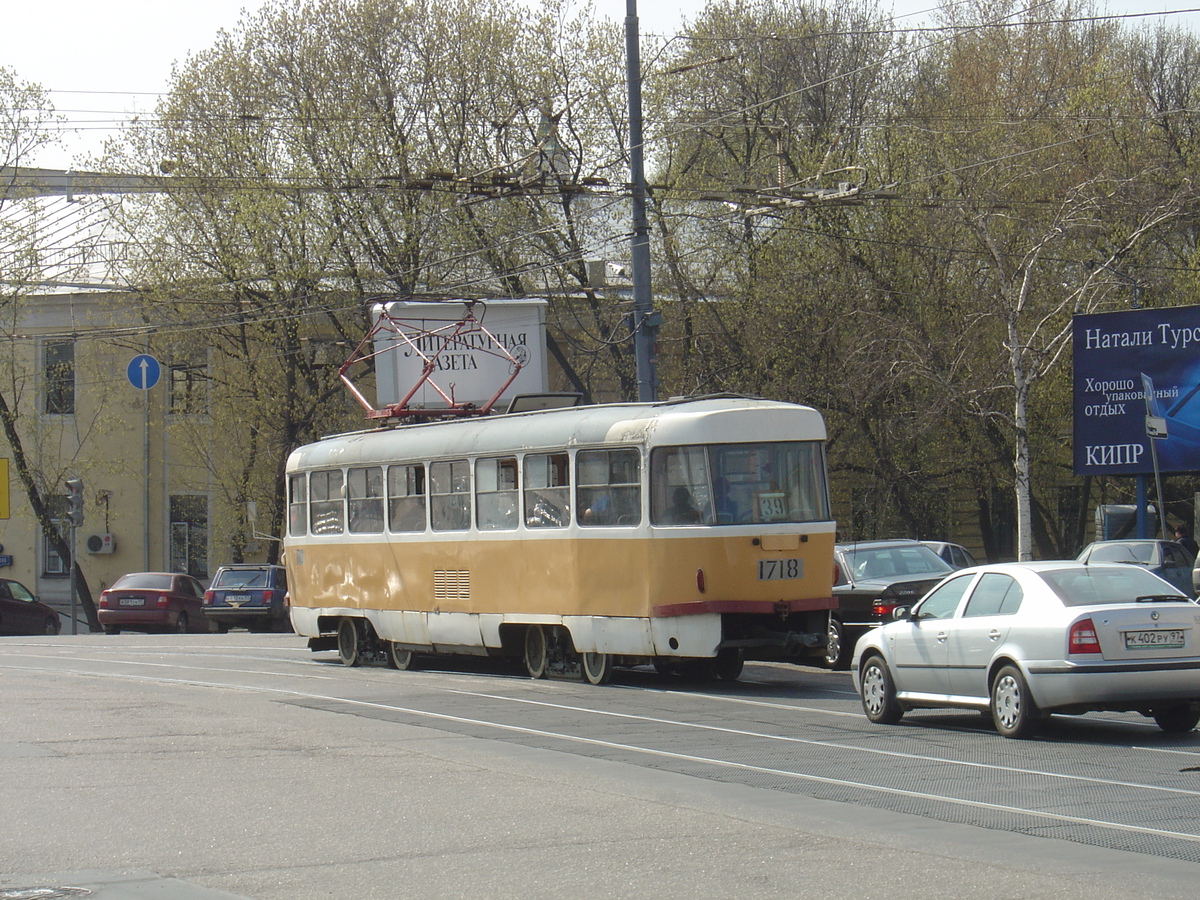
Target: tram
{"x":689,"y":534}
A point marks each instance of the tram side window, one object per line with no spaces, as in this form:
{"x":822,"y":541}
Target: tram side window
{"x":297,"y":505}
{"x":496,"y":494}
{"x":364,"y":494}
{"x":326,"y":508}
{"x":450,"y":495}
{"x":547,"y":490}
{"x":406,"y":498}
{"x":608,"y":488}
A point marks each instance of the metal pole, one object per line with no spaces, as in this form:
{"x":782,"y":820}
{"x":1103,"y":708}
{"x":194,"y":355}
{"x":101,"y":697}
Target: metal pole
{"x":644,"y":321}
{"x":74,"y":585}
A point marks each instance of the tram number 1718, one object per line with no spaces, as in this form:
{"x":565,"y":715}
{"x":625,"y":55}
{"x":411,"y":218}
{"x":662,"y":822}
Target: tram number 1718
{"x":780,"y":569}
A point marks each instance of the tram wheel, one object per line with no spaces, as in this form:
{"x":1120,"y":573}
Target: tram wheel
{"x":536,"y":655}
{"x":596,"y":668}
{"x":728,"y":665}
{"x":347,"y":640}
{"x":398,"y":657}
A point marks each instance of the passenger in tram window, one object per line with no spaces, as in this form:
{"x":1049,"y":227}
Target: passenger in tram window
{"x":682,"y":510}
{"x":597,"y":511}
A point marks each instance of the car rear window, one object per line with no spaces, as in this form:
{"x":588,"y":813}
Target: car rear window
{"x":888,"y":562}
{"x":1142,"y":552}
{"x":240,"y":578}
{"x":1106,"y":586}
{"x":144,"y":581}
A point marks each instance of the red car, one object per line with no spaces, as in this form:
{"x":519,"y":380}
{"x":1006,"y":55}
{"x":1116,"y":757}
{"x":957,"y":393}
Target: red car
{"x":153,"y":601}
{"x":23,"y":613}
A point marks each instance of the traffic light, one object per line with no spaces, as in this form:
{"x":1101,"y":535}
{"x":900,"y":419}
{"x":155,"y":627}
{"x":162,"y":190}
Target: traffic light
{"x":75,"y":501}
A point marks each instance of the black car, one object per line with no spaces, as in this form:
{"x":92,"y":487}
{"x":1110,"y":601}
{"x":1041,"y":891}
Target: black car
{"x":871,"y":579}
{"x":252,"y":596}
{"x":23,"y":613}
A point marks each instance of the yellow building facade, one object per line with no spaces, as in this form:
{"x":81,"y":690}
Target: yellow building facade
{"x":97,"y":394}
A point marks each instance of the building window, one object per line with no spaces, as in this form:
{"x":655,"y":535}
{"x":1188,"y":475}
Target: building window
{"x":189,"y":534}
{"x":188,"y":395}
{"x":58,"y":376}
{"x":56,"y":507}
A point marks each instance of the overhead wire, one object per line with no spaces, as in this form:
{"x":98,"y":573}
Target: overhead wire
{"x":549,"y":265}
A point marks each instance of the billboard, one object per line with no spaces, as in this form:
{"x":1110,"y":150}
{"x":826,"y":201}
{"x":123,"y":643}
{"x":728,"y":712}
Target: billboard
{"x":468,"y":368}
{"x":1137,"y":377}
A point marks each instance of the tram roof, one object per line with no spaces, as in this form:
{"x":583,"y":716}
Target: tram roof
{"x":723,"y":419}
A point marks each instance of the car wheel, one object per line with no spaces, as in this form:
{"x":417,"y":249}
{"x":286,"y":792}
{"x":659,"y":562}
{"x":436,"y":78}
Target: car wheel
{"x":879,"y":693}
{"x":1013,"y":710}
{"x":52,"y":626}
{"x":181,"y":624}
{"x":837,"y":648}
{"x":1176,"y":719}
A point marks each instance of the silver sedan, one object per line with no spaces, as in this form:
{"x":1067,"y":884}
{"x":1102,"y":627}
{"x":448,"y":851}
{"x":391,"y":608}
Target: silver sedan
{"x":1025,"y":640}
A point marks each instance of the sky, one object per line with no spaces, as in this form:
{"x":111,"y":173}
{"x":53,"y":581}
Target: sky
{"x":104,"y":62}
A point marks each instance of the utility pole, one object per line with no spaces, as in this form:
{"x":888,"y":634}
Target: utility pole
{"x":645,"y":320}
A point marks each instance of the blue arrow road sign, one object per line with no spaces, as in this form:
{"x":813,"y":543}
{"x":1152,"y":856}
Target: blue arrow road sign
{"x":143,"y":371}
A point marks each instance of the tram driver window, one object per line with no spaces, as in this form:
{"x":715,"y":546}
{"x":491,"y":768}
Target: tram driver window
{"x":547,"y":490}
{"x":406,"y":498}
{"x":608,"y":490}
{"x":679,"y":487}
{"x":496,"y":494}
{"x":450,"y":495}
{"x":327,"y":506}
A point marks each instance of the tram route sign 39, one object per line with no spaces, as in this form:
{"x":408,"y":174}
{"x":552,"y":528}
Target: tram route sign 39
{"x":1137,"y":373}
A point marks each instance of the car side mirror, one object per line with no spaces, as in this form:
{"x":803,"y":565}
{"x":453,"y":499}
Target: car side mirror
{"x":901,"y":612}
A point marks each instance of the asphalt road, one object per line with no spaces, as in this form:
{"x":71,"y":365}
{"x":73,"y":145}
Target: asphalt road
{"x":197,"y":767}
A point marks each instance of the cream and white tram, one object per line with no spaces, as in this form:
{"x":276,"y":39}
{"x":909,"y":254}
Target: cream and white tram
{"x":693,"y":534}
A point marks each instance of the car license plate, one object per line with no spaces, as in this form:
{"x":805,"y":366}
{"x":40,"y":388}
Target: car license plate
{"x":130,"y":601}
{"x":1162,"y":639}
{"x":236,"y":599}
{"x":780,"y":569}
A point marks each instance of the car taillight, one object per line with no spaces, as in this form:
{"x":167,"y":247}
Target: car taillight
{"x":208,"y":598}
{"x":161,"y":601}
{"x":883,"y":608}
{"x":1082,"y":637}
{"x":104,"y":600}
{"x":837,"y":573}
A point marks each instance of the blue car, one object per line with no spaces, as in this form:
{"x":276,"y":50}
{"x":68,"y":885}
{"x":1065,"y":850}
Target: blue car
{"x":1166,"y":559}
{"x":251,"y":596}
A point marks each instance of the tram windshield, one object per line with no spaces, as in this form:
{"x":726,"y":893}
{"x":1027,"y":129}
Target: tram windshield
{"x":733,"y":484}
